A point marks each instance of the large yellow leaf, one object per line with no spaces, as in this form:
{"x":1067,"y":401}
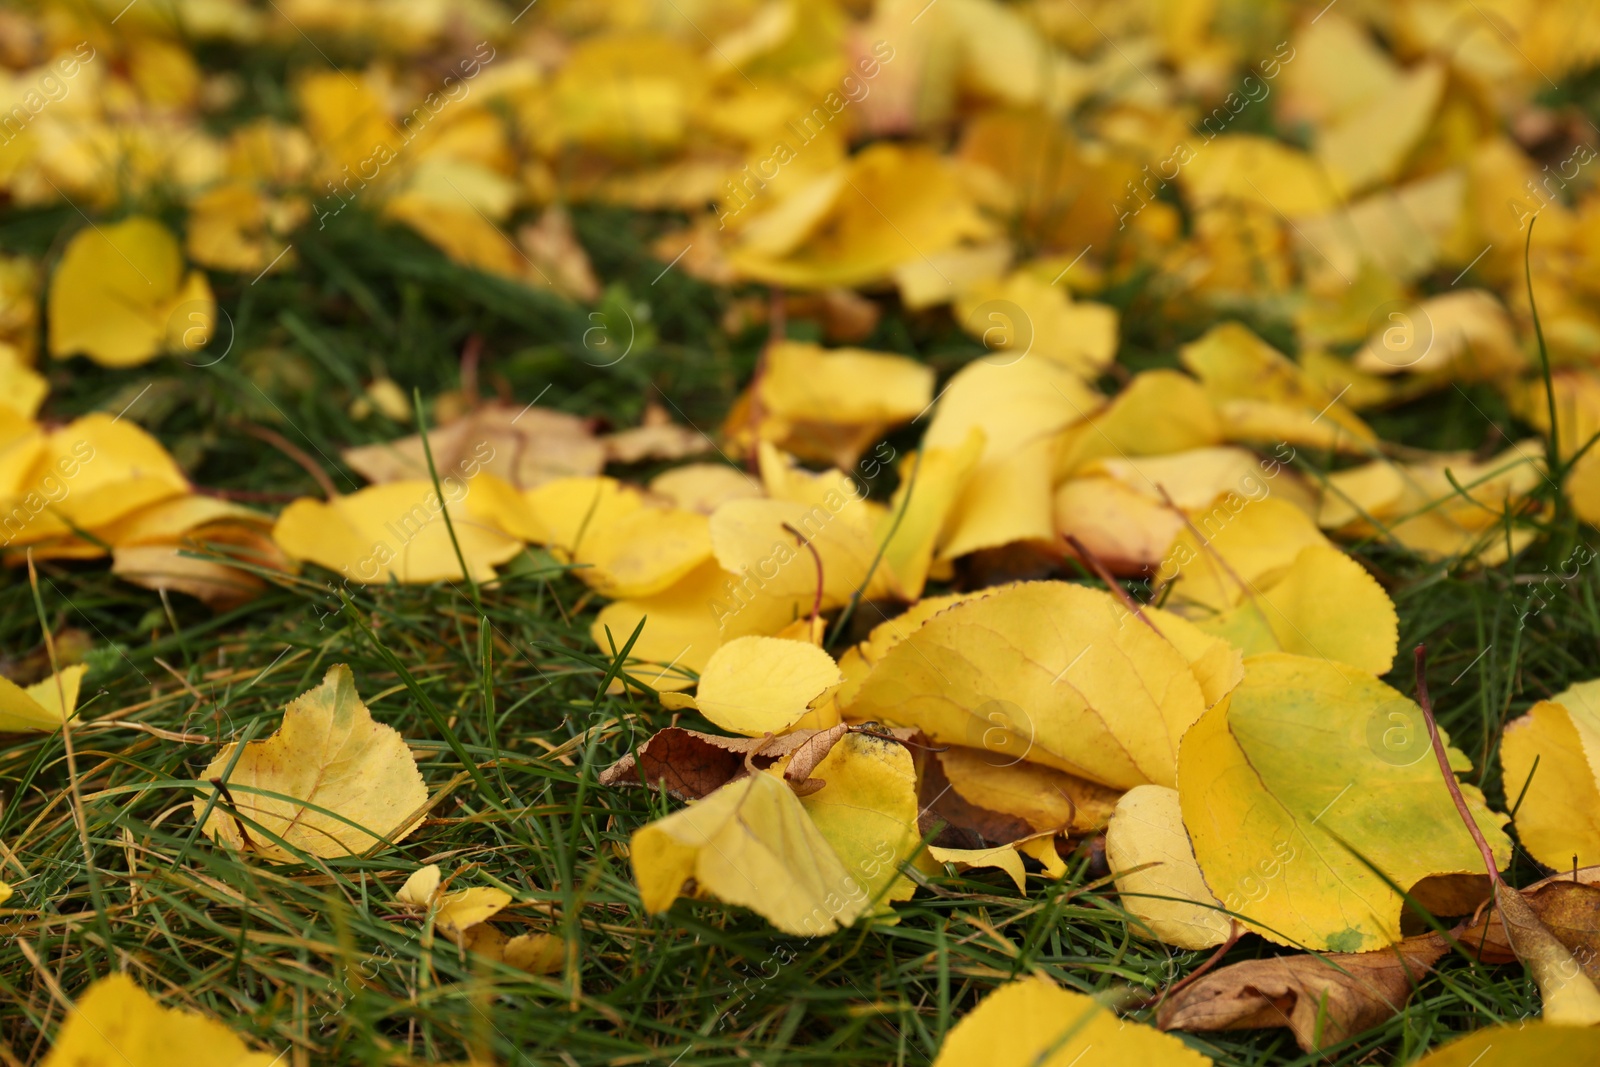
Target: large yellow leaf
{"x":1048,"y":671}
{"x":750,"y":843}
{"x":1033,"y":1023}
{"x":1518,"y":1046}
{"x":117,"y":1024}
{"x":120,"y":296}
{"x":1304,"y":755}
{"x":329,"y":756}
{"x":1558,"y":818}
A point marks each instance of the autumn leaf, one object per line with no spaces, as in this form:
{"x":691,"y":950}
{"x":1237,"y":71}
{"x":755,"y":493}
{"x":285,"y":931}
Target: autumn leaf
{"x":43,"y":706}
{"x":1047,"y":671}
{"x":121,"y":297}
{"x":749,"y":843}
{"x":117,"y":1024}
{"x":1035,"y":1023}
{"x":330,"y":781}
{"x":1308,"y":791}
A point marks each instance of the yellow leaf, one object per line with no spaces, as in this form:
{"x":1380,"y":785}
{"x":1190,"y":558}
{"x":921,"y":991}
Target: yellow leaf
{"x":1558,"y":817}
{"x":1043,"y":797}
{"x":393,"y":531}
{"x":868,"y":812}
{"x":42,"y":706}
{"x":1263,"y":396}
{"x":1169,"y":895}
{"x":1047,"y":671}
{"x":1020,"y":407}
{"x":749,"y":843}
{"x":1467,"y":335}
{"x":1324,"y":605}
{"x":1028,"y":316}
{"x":120,"y":296}
{"x":829,"y":405}
{"x":910,"y":528}
{"x":1254,"y":170}
{"x":1518,"y":1046}
{"x":1370,"y":143}
{"x":117,"y":1024}
{"x":536,"y":953}
{"x":761,"y":685}
{"x":463,"y":909}
{"x":1034,"y":1023}
{"x":341,"y":779}
{"x":1226,"y":558}
{"x":1160,"y":411}
{"x":1305,"y":754}
{"x":420,"y":887}
{"x":1005,"y":858}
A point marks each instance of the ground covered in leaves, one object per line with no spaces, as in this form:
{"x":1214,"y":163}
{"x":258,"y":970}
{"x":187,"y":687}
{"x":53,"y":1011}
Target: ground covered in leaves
{"x":731,"y":533}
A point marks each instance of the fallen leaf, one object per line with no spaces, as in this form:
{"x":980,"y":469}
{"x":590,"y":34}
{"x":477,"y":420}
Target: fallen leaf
{"x":120,"y":296}
{"x":43,"y":706}
{"x":749,"y":843}
{"x":328,"y":754}
{"x":1002,"y":857}
{"x":117,"y":1024}
{"x":1558,"y":798}
{"x":1517,"y":1046}
{"x":523,"y":444}
{"x":1284,"y":784}
{"x":1045,"y":671}
{"x":1322,"y":999}
{"x":1168,"y":896}
{"x":761,"y":685}
{"x":1034,"y":1023}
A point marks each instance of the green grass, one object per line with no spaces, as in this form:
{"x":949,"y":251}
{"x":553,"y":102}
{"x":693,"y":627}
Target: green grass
{"x":508,"y":711}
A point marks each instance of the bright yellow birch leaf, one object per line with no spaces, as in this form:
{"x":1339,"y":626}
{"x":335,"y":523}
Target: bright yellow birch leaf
{"x":1324,"y":605}
{"x":1559,"y":814}
{"x":1307,"y":752}
{"x":750,"y":843}
{"x":909,"y":530}
{"x":1169,"y":895}
{"x":1048,"y":671}
{"x":455,"y":912}
{"x":393,"y":531}
{"x":761,"y":685}
{"x":1026,"y":315}
{"x":868,"y":812}
{"x":1034,"y":1023}
{"x":1518,"y":1046}
{"x":117,"y":1024}
{"x":120,"y":296}
{"x":43,"y":706}
{"x":329,"y":754}
{"x":1160,"y":412}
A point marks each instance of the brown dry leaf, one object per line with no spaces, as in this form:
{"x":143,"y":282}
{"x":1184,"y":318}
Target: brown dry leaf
{"x":526,"y":446}
{"x":1570,"y":996}
{"x":656,"y":437}
{"x":1322,"y":999}
{"x":689,"y":764}
{"x":328,"y":754}
{"x":552,"y":246}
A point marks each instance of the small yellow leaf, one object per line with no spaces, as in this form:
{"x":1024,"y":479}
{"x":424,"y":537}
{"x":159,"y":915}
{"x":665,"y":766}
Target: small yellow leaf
{"x":120,"y":296}
{"x":761,"y":685}
{"x":868,"y":812}
{"x":1169,"y":896}
{"x":420,"y":887}
{"x":393,"y":531}
{"x":1034,"y":1023}
{"x":329,"y":754}
{"x":1005,"y":858}
{"x":749,"y":843}
{"x":536,"y":953}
